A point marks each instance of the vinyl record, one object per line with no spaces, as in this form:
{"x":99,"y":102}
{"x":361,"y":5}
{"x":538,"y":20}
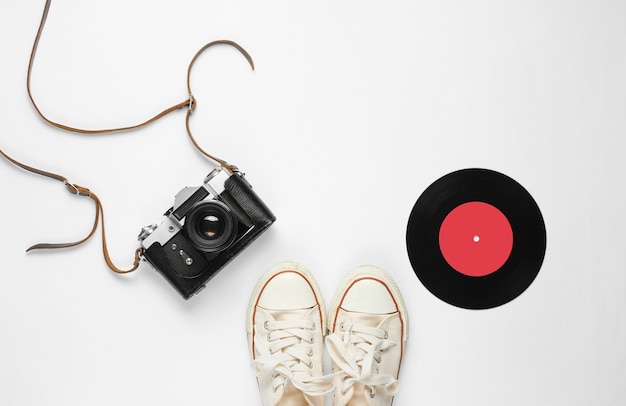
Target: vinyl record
{"x":476,"y":238}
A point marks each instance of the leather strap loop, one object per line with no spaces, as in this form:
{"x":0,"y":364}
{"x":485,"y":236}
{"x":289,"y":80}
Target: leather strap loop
{"x":75,"y":189}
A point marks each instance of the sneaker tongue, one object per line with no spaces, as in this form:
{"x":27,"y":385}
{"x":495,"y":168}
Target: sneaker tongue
{"x":291,"y":314}
{"x":292,"y":396}
{"x":360,"y":395}
{"x":367,"y":319}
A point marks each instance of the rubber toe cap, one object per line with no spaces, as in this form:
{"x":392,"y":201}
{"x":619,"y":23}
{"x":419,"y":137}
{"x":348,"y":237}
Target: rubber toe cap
{"x":287,"y":290}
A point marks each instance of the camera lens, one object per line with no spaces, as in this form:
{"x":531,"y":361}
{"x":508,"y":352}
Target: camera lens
{"x":211,"y":226}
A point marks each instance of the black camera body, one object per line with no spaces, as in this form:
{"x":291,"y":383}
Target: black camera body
{"x":205,"y":229}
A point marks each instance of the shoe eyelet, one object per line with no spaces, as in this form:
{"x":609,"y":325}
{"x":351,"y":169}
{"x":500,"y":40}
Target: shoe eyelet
{"x":378,"y":360}
{"x":265,"y":325}
{"x":313,"y":326}
{"x":372,"y":394}
{"x":386,"y":335}
{"x":312,"y":340}
{"x":310,"y":353}
{"x":310,"y":365}
{"x":269,"y":336}
{"x":342,"y":327}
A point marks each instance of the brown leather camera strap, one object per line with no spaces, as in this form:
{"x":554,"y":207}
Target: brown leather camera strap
{"x":189,"y":104}
{"x":79,"y":191}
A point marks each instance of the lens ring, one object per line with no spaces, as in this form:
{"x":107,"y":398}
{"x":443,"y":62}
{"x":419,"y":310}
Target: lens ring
{"x":211,"y":226}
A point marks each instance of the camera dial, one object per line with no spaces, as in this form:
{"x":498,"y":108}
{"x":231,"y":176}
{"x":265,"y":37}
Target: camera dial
{"x":146,"y":231}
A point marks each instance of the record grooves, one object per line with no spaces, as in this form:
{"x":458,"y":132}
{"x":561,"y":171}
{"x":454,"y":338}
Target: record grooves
{"x":476,"y":238}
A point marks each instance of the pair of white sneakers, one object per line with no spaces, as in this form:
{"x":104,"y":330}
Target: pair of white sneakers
{"x":365,"y":335}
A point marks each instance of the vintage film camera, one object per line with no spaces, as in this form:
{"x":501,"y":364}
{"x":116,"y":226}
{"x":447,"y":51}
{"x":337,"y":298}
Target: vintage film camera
{"x":206,"y":228}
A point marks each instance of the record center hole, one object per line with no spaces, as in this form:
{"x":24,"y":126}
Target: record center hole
{"x":476,"y":238}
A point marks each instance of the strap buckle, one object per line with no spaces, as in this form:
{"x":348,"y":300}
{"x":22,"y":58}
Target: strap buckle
{"x":192,"y":104}
{"x":76,"y":189}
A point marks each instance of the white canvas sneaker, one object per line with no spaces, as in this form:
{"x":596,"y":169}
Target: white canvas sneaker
{"x":368,"y":329}
{"x":286,"y":324}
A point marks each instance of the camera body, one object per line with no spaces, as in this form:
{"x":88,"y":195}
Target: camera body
{"x":206,"y":227}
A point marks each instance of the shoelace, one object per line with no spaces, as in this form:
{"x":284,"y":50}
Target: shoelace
{"x":287,"y":358}
{"x":357,"y":353}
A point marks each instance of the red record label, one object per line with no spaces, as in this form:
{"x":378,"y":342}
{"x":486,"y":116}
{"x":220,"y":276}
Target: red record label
{"x":476,"y":239}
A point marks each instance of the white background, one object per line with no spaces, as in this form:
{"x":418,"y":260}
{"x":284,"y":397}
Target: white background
{"x":354,"y":108}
